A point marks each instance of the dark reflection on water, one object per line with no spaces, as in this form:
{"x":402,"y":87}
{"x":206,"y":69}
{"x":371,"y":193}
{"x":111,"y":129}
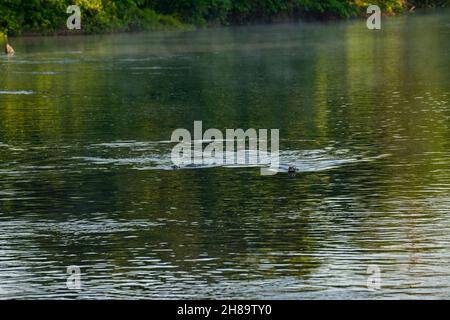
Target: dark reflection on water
{"x":83,"y":122}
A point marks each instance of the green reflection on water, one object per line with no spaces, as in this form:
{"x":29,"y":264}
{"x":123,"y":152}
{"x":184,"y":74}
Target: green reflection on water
{"x":228,"y":232}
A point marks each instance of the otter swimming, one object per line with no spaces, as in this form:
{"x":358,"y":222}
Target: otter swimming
{"x":291,"y":170}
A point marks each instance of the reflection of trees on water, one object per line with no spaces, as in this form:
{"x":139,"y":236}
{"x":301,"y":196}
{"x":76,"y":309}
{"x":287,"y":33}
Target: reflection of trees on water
{"x":341,"y":88}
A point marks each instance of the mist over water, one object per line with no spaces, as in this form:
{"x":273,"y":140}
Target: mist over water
{"x":364,"y":115}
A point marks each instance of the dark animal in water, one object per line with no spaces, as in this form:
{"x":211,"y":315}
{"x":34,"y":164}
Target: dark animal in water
{"x":292,"y":171}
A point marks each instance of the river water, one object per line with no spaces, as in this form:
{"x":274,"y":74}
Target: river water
{"x":364,"y":115}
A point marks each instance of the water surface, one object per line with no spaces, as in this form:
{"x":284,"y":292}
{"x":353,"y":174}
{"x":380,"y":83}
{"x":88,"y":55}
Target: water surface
{"x":364,"y":115}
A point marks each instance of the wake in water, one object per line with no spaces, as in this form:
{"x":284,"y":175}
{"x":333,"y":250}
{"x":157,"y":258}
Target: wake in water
{"x":18,"y":92}
{"x":156,"y":155}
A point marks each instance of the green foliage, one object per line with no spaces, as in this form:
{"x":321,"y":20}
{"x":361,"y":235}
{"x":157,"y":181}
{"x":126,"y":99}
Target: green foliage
{"x":198,"y":12}
{"x":49,"y":16}
{"x":429,"y":3}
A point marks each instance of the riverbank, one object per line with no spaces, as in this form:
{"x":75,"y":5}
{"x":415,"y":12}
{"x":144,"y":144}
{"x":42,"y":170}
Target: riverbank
{"x":106,"y":16}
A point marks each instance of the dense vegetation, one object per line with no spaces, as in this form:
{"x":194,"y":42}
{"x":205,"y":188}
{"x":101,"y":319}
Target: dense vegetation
{"x":49,"y":16}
